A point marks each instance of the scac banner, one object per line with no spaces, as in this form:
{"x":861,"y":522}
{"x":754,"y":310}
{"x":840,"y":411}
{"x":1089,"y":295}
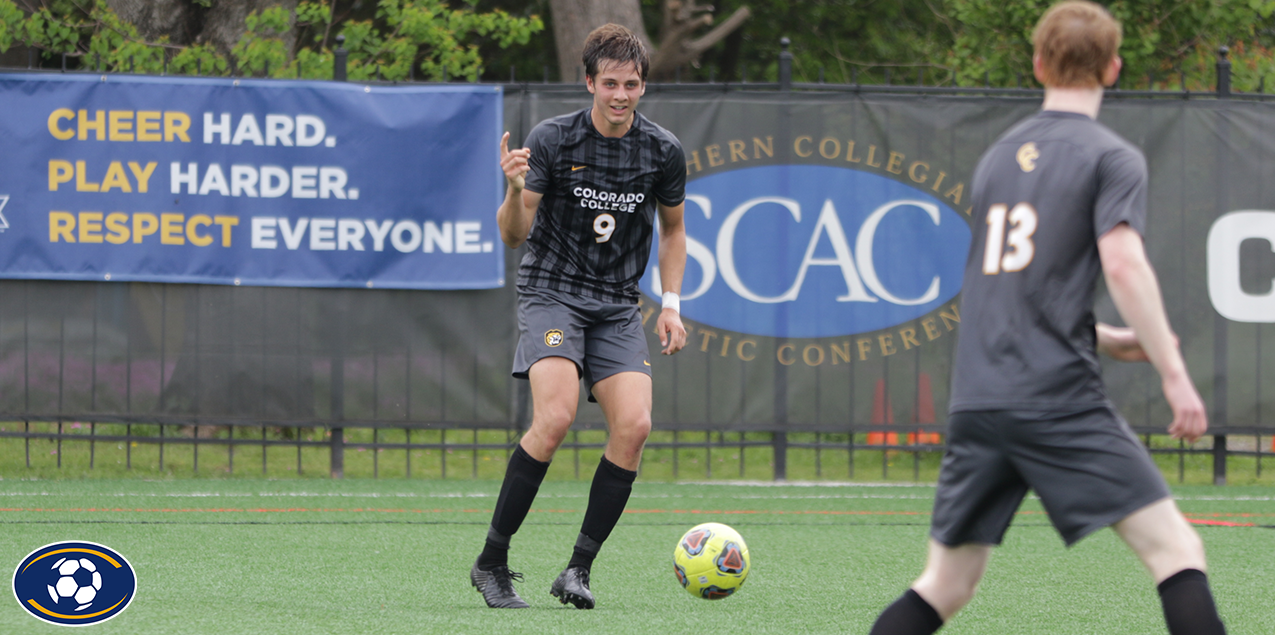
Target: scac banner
{"x":827,"y":236}
{"x":249,"y":182}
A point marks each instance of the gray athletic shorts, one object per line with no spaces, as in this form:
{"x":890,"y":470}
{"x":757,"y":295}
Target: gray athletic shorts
{"x":1088,"y":468}
{"x":601,"y":338}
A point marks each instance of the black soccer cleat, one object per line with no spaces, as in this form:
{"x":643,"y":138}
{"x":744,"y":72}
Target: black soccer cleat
{"x":572,"y":586}
{"x":497,"y":587}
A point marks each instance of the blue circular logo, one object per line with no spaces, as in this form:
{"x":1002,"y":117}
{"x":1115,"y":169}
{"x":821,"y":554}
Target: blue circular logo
{"x":815,"y":251}
{"x":74,"y":583}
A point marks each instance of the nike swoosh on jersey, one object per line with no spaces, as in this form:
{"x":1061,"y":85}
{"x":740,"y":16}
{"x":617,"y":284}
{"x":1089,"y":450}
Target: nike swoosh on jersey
{"x":578,"y":167}
{"x":646,"y":362}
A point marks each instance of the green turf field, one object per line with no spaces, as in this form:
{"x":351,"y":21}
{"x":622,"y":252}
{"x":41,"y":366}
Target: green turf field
{"x":392,"y":556}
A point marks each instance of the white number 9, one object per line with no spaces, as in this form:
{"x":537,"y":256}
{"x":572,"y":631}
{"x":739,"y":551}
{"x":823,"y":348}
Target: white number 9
{"x":604,"y":224}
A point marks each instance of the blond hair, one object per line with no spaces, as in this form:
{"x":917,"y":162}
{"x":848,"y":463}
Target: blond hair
{"x":1075,"y":41}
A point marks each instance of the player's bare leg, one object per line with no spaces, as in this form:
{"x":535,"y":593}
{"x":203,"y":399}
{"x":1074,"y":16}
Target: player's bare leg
{"x":1163,"y":539}
{"x":555,"y":389}
{"x":1174,"y":555}
{"x":948,"y":583}
{"x":626,"y":401}
{"x":951,"y":576}
{"x":555,"y":393}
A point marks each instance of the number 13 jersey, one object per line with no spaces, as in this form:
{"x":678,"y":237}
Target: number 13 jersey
{"x":1044,"y":193}
{"x":592,"y":232}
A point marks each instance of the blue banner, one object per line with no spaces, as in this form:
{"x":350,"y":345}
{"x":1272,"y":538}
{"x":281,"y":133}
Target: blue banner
{"x":253,"y":182}
{"x":810,"y":251}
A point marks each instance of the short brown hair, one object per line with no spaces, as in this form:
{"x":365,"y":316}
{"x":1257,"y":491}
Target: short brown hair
{"x":614,"y":43}
{"x":1075,"y":41}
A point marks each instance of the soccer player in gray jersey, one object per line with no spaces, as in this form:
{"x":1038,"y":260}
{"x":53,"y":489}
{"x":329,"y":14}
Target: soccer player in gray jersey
{"x":584,"y":195}
{"x":1059,"y":198}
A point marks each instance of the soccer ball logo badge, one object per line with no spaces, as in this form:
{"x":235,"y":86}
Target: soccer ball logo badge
{"x":82,"y":588}
{"x":711,"y":561}
{"x":74,"y":583}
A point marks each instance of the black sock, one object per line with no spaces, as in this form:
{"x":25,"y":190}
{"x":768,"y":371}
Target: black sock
{"x":495,"y":550}
{"x":909,"y":615}
{"x":1188,"y":604}
{"x":607,"y":498}
{"x":522,"y":481}
{"x":585,"y":551}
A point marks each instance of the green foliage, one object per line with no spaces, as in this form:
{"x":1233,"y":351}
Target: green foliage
{"x":199,"y":59}
{"x":431,"y":35}
{"x":436,"y":38}
{"x":1163,"y":41}
{"x":117,"y":44}
{"x":940,"y":42}
{"x":262,"y":49}
{"x":968,"y":42}
{"x":11,"y":21}
{"x":52,"y":32}
{"x":845,"y":41}
{"x":1252,"y":67}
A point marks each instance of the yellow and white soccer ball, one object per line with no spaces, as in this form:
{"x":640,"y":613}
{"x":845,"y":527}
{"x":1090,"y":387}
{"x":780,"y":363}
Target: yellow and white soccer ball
{"x":711,"y":561}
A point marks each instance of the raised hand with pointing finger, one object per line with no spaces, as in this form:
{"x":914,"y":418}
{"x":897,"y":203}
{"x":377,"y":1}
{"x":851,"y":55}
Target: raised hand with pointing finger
{"x":519,"y":207}
{"x":514,"y":163}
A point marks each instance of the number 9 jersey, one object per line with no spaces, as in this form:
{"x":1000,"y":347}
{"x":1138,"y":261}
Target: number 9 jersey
{"x":592,"y":232}
{"x":1044,"y":194}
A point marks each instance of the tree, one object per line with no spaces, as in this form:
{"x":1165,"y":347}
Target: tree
{"x":574,"y":19}
{"x":938,"y":42}
{"x":185,"y":22}
{"x":679,"y":45}
{"x":391,"y":39}
{"x":840,"y":41}
{"x":1165,"y":43}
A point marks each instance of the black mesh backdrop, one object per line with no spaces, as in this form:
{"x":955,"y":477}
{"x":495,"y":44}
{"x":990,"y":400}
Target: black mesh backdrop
{"x":134,"y":351}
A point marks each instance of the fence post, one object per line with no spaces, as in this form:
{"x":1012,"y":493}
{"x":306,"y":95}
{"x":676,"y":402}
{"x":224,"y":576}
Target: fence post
{"x":1220,"y":330}
{"x":779,"y":439}
{"x":1223,"y":73}
{"x":785,"y":65}
{"x":339,"y":310}
{"x":338,"y":453}
{"x":339,"y":58}
{"x":337,"y":444}
{"x":780,"y":444}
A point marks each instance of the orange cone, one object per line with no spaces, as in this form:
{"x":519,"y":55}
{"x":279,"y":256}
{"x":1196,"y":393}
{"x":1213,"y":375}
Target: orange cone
{"x":924,"y":413}
{"x":882,"y":414}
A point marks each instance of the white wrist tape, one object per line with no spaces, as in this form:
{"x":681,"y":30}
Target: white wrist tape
{"x":672,"y":301}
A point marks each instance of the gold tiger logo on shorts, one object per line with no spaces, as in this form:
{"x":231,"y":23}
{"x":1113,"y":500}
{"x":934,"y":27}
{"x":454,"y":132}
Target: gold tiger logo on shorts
{"x":1027,"y":156}
{"x":553,"y":337}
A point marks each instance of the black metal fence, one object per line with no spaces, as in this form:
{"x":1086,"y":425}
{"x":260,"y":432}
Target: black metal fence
{"x":422,"y":425}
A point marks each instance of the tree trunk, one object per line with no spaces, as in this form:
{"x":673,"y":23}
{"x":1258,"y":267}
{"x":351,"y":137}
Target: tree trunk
{"x":177,"y":19}
{"x":678,"y":44}
{"x":574,"y":19}
{"x":186,"y":23}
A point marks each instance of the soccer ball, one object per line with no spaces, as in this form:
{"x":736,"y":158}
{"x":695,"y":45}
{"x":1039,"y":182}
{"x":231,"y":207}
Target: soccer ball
{"x":711,"y":561}
{"x":80,"y":582}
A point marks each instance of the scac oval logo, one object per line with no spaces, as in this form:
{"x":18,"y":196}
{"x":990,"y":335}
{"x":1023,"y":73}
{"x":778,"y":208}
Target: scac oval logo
{"x":74,"y":583}
{"x":815,"y":251}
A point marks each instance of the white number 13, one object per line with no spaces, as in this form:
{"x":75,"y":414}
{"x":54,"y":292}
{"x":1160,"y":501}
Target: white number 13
{"x":1022,"y":220}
